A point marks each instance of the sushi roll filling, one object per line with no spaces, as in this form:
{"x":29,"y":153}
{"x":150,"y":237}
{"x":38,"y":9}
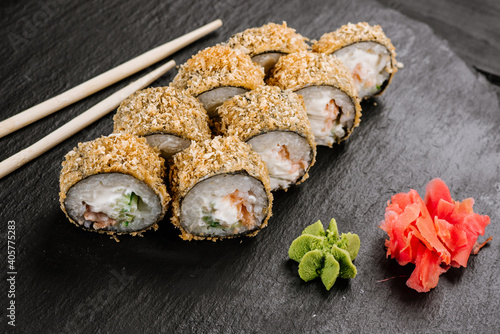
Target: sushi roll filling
{"x":287,"y":156}
{"x":123,"y":208}
{"x":369,"y":64}
{"x":224,"y":205}
{"x":291,"y":167}
{"x":281,"y":167}
{"x":331,"y":113}
{"x":231,"y":211}
{"x":112,"y":202}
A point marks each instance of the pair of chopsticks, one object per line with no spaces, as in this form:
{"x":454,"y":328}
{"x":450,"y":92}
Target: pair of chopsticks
{"x":90,"y":87}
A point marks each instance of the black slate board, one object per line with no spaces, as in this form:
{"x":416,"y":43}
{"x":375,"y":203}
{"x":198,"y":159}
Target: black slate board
{"x":437,"y":119}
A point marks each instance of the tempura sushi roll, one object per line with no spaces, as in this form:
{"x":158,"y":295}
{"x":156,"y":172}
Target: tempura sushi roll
{"x":328,"y":91}
{"x":220,"y":190}
{"x":266,"y":44}
{"x":275,"y":124}
{"x":216,"y":74}
{"x":167,"y":117}
{"x":114,"y":185}
{"x":366,"y":52}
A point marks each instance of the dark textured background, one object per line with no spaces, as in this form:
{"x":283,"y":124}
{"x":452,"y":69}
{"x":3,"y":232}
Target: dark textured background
{"x":439,"y":118}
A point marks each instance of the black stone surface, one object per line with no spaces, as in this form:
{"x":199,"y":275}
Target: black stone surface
{"x":437,"y":119}
{"x":472,"y":28}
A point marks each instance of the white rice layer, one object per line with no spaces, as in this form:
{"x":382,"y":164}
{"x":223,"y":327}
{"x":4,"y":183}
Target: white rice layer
{"x":167,"y":144}
{"x":287,"y":156}
{"x":267,"y":60}
{"x":369,"y":64}
{"x":213,"y":98}
{"x":331,"y":113}
{"x":220,"y":206}
{"x":111,"y":195}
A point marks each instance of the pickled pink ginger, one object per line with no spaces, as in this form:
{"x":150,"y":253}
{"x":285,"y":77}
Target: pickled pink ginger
{"x":434,"y":233}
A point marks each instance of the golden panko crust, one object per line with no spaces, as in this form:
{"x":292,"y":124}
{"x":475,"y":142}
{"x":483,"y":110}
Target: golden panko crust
{"x":266,"y":109}
{"x":303,"y":69}
{"x":162,"y":110}
{"x":117,"y":153}
{"x":356,"y":33}
{"x":209,"y":158}
{"x":218,"y":66}
{"x":271,"y":37}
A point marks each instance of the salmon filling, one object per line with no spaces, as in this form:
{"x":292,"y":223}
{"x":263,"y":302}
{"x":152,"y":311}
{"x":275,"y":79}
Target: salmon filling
{"x":121,"y":211}
{"x":369,"y":64}
{"x":113,"y":202}
{"x":286,"y":154}
{"x":295,"y":166}
{"x":224,"y":205}
{"x":330,"y":112}
{"x":98,"y":220}
{"x":325,"y":122}
{"x":283,"y":170}
{"x":231,"y":211}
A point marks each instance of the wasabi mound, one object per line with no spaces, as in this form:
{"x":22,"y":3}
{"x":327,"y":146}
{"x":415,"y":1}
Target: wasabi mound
{"x":325,"y":254}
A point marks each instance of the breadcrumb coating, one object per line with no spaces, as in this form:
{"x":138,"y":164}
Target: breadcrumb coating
{"x":271,"y":37}
{"x":356,"y":33}
{"x":213,"y":157}
{"x":116,"y":153}
{"x":162,"y":110}
{"x":303,"y":69}
{"x":218,"y":66}
{"x":265,"y":109}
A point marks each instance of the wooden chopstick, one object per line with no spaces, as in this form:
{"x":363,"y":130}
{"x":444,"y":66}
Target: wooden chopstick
{"x":78,"y":123}
{"x":103,"y":80}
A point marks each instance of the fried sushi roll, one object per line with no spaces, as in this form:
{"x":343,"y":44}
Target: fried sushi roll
{"x":114,"y":185}
{"x":216,"y":74}
{"x":275,"y":124}
{"x":328,"y":91}
{"x":266,"y":44}
{"x":167,"y":117}
{"x":220,"y":190}
{"x":366,"y":52}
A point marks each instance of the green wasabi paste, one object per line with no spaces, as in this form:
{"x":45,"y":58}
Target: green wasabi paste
{"x":325,"y":254}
